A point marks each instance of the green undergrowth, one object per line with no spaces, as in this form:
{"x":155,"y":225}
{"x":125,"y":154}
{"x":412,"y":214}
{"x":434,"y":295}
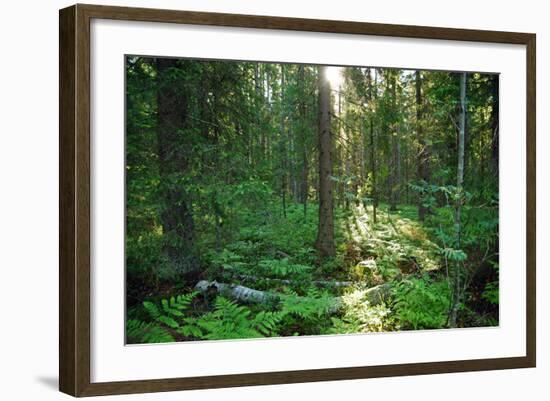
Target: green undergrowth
{"x":274,"y":253}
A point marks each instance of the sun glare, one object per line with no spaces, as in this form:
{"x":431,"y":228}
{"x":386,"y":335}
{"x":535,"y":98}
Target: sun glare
{"x":334,"y":76}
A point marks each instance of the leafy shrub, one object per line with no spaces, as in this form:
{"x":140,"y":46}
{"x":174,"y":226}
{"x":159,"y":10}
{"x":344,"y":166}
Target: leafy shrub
{"x":145,"y":259}
{"x":491,"y":293}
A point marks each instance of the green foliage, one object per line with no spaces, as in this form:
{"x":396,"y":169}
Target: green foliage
{"x":420,"y":303}
{"x":427,"y":193}
{"x":241,"y":162}
{"x":169,"y":309}
{"x":454,"y":255}
{"x":361,"y":317}
{"x":491,"y":293}
{"x":282,"y":268}
{"x":401,"y":244}
{"x":310,"y":307}
{"x":138,"y":332}
{"x":229,"y":320}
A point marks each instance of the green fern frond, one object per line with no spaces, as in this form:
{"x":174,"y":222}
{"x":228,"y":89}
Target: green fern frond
{"x":139,"y":332}
{"x":314,"y":305}
{"x":283,"y":268}
{"x":170,"y":310}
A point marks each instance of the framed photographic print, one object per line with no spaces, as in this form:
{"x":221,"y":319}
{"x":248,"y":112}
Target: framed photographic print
{"x":250,"y":200}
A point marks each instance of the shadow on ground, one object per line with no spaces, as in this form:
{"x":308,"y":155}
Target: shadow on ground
{"x":49,"y":381}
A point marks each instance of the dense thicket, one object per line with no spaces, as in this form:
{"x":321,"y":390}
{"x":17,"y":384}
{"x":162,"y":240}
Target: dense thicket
{"x":316,"y":187}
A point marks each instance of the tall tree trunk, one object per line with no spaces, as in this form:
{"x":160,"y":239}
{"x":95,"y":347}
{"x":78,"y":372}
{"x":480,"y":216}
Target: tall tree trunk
{"x":423,"y":151}
{"x":456,"y":295}
{"x":340,"y":161}
{"x":268,"y":139}
{"x":325,"y":232}
{"x":282,"y":139}
{"x":372,"y":91}
{"x":303,"y":125}
{"x":394,"y":165}
{"x":374,"y":193}
{"x":494,"y":123}
{"x":174,"y":158}
{"x":305,"y":186}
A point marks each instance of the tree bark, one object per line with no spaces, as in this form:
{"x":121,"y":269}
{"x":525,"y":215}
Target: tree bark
{"x":174,"y":158}
{"x":494,"y":123}
{"x":423,"y":152}
{"x":325,"y":232}
{"x":373,"y":97}
{"x":340,"y":168}
{"x":304,"y":186}
{"x":282,"y":139}
{"x":456,"y":295}
{"x":394,"y":167}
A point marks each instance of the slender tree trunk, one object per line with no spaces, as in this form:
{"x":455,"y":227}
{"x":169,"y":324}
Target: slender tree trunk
{"x":374,"y":193}
{"x":268,"y":140}
{"x":364,"y":149}
{"x":398,"y":166}
{"x":305,"y":186}
{"x":258,"y":104}
{"x":494,"y":123}
{"x":282,"y":139}
{"x":372,"y":97}
{"x":303,"y":125}
{"x":362,"y":153}
{"x":423,"y":151}
{"x":394,"y":166}
{"x":325,"y":232}
{"x":347,"y":155}
{"x":341,"y":158}
{"x":293,"y":181}
{"x":458,"y":208}
{"x":174,"y":158}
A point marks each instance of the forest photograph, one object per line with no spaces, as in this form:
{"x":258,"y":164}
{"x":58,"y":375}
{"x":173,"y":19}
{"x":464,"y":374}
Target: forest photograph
{"x":275,"y":199}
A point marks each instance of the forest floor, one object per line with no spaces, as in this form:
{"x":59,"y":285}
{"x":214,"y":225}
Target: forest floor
{"x":268,"y":281}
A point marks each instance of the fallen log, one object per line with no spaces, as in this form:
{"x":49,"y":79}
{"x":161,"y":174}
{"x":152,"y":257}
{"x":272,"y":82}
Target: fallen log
{"x":375,"y":295}
{"x":378,"y":294}
{"x":322,"y":283}
{"x":236,"y":291}
{"x":282,"y":254}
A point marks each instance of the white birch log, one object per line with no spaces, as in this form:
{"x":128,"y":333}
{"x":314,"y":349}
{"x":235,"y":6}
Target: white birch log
{"x":236,"y":291}
{"x":374,"y":295}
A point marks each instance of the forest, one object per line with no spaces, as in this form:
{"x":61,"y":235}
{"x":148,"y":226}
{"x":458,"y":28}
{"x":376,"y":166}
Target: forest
{"x":270,"y":199}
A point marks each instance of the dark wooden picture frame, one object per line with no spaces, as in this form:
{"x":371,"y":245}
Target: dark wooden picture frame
{"x":74,"y":204}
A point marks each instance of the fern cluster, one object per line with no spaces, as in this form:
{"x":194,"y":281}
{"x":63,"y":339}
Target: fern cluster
{"x":422,"y":304}
{"x":170,"y":309}
{"x":359,"y":316}
{"x":312,"y":306}
{"x":228,"y":320}
{"x":138,"y":332}
{"x":282,"y":268}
